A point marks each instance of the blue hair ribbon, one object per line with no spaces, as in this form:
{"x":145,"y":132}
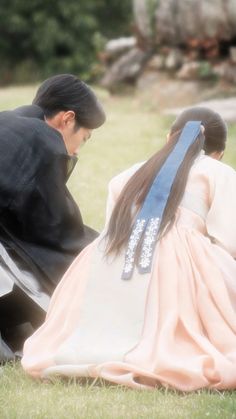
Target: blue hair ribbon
{"x":148,"y":219}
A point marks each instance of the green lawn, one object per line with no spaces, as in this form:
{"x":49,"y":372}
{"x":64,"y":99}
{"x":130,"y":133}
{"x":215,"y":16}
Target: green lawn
{"x":132,"y":133}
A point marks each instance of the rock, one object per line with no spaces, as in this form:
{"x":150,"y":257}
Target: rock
{"x":220,"y":69}
{"x":149,"y":79}
{"x":178,"y":21}
{"x":174,"y":59}
{"x":226,"y":71}
{"x":157,"y":62}
{"x":115,"y":47}
{"x":126,"y":68}
{"x":232,"y":54}
{"x":189,"y":71}
{"x":194,"y":70}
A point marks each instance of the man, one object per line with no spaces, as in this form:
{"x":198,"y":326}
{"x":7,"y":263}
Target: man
{"x":41,"y":228}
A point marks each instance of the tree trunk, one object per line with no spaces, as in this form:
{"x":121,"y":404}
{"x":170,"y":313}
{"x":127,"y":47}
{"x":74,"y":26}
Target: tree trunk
{"x":141,"y":16}
{"x":178,"y":22}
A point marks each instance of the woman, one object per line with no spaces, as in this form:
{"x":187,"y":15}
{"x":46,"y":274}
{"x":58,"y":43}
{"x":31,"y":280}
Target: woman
{"x":153,"y":300}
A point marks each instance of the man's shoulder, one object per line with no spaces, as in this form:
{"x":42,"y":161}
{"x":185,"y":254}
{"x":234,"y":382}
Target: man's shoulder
{"x":47,"y":136}
{"x":31,"y":111}
{"x":29,"y":131}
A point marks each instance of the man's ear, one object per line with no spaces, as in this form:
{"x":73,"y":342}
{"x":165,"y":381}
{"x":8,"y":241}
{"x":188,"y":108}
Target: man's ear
{"x":68,"y":117}
{"x":217,"y":155}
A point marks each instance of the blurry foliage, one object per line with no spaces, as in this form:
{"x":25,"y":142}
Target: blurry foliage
{"x":206,"y":71}
{"x":43,"y":37}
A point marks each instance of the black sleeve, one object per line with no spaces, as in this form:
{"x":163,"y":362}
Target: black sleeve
{"x":40,"y":221}
{"x":45,"y":211}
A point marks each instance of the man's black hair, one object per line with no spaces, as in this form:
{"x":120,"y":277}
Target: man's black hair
{"x":65,"y":92}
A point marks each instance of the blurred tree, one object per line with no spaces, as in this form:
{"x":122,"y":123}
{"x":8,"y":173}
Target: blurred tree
{"x":41,"y":37}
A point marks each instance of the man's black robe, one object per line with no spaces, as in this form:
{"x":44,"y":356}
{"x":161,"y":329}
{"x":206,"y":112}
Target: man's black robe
{"x":40,"y":225}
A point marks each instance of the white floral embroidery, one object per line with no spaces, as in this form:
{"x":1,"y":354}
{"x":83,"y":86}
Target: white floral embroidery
{"x":148,"y":243}
{"x":133,"y":242}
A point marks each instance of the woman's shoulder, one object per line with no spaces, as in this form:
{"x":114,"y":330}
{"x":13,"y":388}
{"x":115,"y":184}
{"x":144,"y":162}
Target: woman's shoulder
{"x":209,"y":165}
{"x":124,"y":176}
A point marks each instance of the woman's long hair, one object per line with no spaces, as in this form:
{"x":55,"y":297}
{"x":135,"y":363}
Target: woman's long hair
{"x":135,"y":191}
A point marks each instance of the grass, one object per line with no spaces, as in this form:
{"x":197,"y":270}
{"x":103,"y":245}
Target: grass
{"x":23,"y":398}
{"x":132,"y":133}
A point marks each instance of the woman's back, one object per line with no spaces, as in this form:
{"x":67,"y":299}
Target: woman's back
{"x":208,"y":204}
{"x":159,"y":327}
{"x":209,"y":196}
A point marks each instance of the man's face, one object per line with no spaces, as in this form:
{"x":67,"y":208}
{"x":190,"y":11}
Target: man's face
{"x":73,"y":136}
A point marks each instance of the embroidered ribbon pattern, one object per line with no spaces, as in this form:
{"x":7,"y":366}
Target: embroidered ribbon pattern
{"x":148,"y":219}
